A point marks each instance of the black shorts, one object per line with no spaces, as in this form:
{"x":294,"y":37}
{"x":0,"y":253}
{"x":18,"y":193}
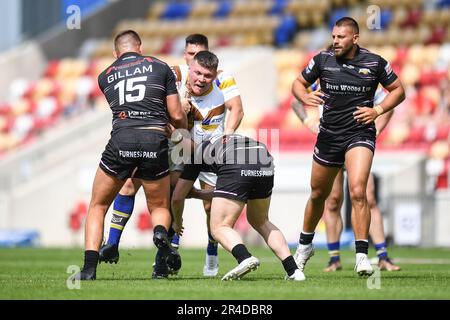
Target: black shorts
{"x":137,"y":153}
{"x":244,"y":182}
{"x":330,"y":149}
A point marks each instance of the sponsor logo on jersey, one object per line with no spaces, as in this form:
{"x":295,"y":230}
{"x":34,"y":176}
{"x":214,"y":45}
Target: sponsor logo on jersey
{"x":364,"y":71}
{"x":348,"y":66}
{"x":332,"y":69}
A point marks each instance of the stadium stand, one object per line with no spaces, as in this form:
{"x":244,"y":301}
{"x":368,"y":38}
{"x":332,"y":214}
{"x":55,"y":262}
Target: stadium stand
{"x":413,"y":35}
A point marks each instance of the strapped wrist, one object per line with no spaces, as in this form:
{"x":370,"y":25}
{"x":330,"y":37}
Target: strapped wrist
{"x":379,"y":110}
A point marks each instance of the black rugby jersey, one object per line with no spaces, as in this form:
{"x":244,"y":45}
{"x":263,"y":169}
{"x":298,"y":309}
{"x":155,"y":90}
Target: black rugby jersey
{"x":136,"y":88}
{"x":347,"y":84}
{"x":234,"y":151}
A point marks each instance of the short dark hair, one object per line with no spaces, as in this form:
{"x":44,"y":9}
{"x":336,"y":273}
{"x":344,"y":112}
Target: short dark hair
{"x":127,"y":33}
{"x":347,"y":21}
{"x":198,"y":39}
{"x":207,"y":60}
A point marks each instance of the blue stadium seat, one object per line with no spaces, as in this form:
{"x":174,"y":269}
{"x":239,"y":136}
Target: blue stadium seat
{"x":444,"y":3}
{"x":386,"y":18}
{"x":278,"y":7}
{"x":223,"y":9}
{"x":336,"y":15}
{"x":175,"y":10}
{"x":286,"y":30}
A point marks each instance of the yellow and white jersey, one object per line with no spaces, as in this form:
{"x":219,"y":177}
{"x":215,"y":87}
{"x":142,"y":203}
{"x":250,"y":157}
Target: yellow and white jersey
{"x":208,"y":114}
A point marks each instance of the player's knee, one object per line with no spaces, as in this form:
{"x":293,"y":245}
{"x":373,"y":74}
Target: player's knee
{"x":214,"y":229}
{"x":358,"y":195}
{"x":333,"y":204}
{"x":318,"y":195}
{"x":98,"y":208}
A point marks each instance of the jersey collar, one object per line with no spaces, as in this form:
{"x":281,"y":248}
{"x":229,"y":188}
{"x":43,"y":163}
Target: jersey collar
{"x":128,"y":54}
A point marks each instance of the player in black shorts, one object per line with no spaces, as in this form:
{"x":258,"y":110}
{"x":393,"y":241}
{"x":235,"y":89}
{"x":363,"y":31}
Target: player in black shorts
{"x":245,"y":174}
{"x":143,"y":97}
{"x":349,"y":76}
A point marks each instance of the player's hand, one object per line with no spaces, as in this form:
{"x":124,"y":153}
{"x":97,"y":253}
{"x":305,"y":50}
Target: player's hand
{"x":365,"y":115}
{"x":192,"y":193}
{"x":169,"y":129}
{"x":186,"y":104}
{"x":313,"y":99}
{"x":178,"y":226}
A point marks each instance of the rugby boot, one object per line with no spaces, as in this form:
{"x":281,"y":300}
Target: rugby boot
{"x":303,"y":253}
{"x":86,"y":274}
{"x":246,"y":266}
{"x":109,"y":253}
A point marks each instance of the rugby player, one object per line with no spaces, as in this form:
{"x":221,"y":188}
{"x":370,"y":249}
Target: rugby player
{"x":333,"y":204}
{"x":143,"y":97}
{"x":349,"y":76}
{"x":124,"y":202}
{"x":245,"y":175}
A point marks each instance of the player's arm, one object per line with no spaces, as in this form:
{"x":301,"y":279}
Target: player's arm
{"x":205,"y":195}
{"x":395,"y":96}
{"x":177,"y":115}
{"x":304,"y":80}
{"x":382,"y":121}
{"x":300,"y":111}
{"x":300,"y":92}
{"x":233,"y":102}
{"x":236,"y":113}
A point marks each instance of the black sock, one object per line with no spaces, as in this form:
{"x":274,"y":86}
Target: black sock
{"x":170,"y":233}
{"x":240,"y":252}
{"x":90,"y":259}
{"x":362,"y":246}
{"x":160,"y":228}
{"x":289,"y":265}
{"x":306,"y":238}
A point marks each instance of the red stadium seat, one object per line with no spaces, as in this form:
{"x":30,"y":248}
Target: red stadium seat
{"x":77,"y":215}
{"x":52,"y":69}
{"x":144,"y":221}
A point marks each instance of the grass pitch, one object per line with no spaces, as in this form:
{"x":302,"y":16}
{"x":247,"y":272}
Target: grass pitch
{"x":33,"y":273}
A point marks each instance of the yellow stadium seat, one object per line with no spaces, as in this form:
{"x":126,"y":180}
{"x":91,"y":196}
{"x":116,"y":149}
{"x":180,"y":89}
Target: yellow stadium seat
{"x":409,"y":74}
{"x":156,"y":10}
{"x":440,"y":150}
{"x":20,"y":107}
{"x":203,"y":9}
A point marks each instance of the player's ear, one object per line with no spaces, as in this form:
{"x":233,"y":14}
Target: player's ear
{"x":116,"y":56}
{"x":141,"y":49}
{"x":355,"y":38}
